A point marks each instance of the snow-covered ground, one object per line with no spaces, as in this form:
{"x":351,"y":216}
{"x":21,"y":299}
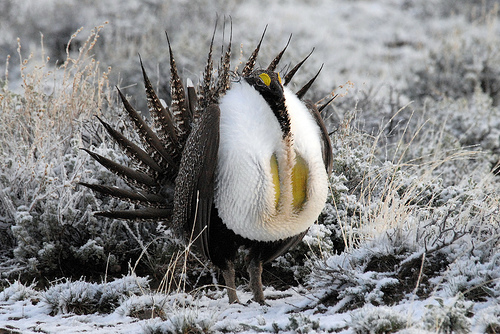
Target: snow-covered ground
{"x":415,"y":195}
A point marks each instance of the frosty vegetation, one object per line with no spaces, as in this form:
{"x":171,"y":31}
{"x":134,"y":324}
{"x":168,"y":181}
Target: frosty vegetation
{"x":409,"y":240}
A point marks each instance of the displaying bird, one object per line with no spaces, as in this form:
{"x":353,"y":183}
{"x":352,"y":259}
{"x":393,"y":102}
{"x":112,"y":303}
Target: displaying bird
{"x":240,"y":162}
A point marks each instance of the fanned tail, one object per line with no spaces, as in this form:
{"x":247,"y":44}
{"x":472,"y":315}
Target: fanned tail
{"x":272,"y":66}
{"x":251,"y":61}
{"x":162,"y":118}
{"x":300,"y":94}
{"x":289,"y":75}
{"x":138,"y":214}
{"x":180,"y":112}
{"x":137,"y":178}
{"x":327,"y":103}
{"x":129,"y":195}
{"x":224,"y":68}
{"x":151,"y":141}
{"x":132,"y":150}
{"x":205,"y":97}
{"x":191,"y":98}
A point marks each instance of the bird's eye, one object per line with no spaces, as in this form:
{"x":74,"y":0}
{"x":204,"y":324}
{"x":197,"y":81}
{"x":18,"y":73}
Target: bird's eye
{"x":266,"y":79}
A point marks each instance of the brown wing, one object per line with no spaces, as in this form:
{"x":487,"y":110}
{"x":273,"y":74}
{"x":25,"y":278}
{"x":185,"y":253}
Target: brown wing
{"x":327,"y":144}
{"x":194,"y":185}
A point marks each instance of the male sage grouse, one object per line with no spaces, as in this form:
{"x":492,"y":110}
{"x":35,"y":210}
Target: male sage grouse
{"x":243,"y":162}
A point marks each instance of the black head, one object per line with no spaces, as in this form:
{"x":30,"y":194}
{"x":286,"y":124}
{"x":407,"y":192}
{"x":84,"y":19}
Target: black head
{"x":268,"y":84}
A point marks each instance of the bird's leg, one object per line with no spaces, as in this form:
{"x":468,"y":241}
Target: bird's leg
{"x":255,"y":271}
{"x":229,"y":280}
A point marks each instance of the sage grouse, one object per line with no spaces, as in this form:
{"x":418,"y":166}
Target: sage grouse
{"x":242,"y":162}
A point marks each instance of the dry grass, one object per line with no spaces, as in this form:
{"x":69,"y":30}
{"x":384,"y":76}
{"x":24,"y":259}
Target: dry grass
{"x":43,"y":123}
{"x":41,"y":130}
{"x":52,"y":101}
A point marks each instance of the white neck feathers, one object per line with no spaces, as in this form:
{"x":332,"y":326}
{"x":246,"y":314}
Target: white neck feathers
{"x":245,"y":193}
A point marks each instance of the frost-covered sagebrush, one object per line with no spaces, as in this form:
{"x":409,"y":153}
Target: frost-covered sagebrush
{"x":46,"y":219}
{"x":82,"y":297}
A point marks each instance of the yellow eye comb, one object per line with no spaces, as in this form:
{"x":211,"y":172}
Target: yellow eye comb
{"x":266,"y":79}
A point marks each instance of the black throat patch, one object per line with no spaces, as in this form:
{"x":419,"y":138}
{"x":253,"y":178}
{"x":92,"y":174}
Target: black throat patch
{"x":269,"y":85}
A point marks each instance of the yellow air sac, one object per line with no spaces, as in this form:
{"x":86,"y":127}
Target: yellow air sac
{"x":300,"y":174}
{"x":276,"y":179}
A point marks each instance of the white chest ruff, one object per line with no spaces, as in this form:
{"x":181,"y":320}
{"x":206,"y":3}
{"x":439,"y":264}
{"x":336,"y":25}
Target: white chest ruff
{"x":245,"y":194}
